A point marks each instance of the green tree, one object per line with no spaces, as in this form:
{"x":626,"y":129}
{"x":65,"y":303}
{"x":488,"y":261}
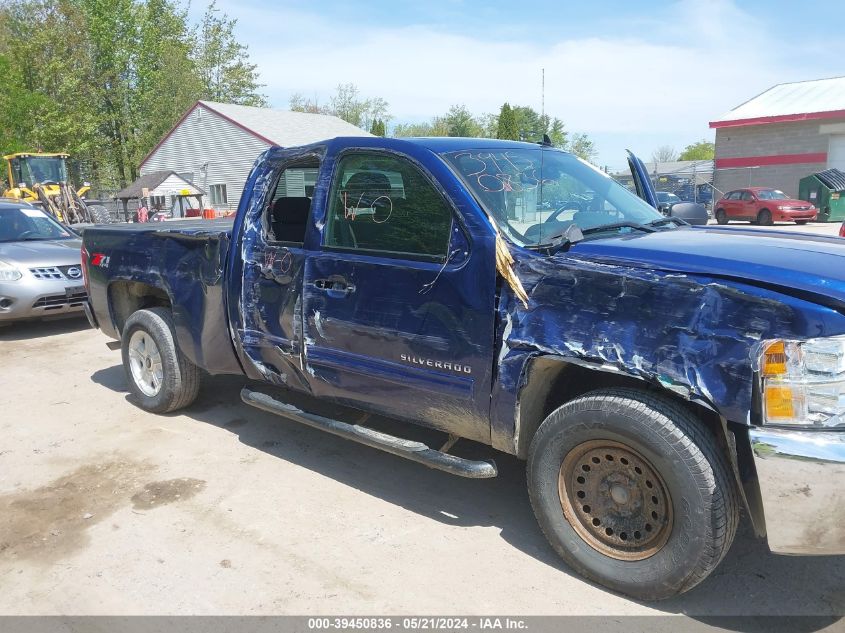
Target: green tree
{"x":582,"y":146}
{"x":664,"y":154}
{"x":222,"y":62}
{"x":163,"y":66}
{"x":702,"y":150}
{"x":377,"y":128}
{"x":346,"y":103}
{"x":507,"y":128}
{"x":49,"y":97}
{"x":460,"y":122}
{"x":431,"y":128}
{"x":557,"y":133}
{"x":104,"y":79}
{"x":299,"y":103}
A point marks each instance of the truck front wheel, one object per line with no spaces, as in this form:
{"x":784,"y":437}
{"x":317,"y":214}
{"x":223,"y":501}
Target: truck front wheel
{"x":157,"y":372}
{"x":632,"y":492}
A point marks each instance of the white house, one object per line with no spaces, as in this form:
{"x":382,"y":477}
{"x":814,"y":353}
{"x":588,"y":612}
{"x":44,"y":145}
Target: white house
{"x":214,"y":145}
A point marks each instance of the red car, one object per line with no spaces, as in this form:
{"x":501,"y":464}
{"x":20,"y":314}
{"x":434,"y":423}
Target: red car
{"x":762,"y":205}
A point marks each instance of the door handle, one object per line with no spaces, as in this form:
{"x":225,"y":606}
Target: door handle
{"x":334,"y":287}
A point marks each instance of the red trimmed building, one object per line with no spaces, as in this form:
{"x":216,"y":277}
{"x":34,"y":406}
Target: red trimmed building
{"x":214,"y":146}
{"x":778,"y":137}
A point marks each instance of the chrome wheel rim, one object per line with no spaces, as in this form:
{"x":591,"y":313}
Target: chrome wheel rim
{"x":615,"y":500}
{"x":145,"y":363}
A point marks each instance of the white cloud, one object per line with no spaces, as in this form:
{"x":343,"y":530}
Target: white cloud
{"x":665,"y":74}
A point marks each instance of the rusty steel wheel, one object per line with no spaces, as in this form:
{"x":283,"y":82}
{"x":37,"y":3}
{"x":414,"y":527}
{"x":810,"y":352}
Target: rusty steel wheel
{"x":615,"y":500}
{"x":633,"y":491}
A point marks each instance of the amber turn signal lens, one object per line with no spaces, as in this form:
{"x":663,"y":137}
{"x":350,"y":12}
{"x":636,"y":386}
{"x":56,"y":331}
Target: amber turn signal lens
{"x":779,"y":403}
{"x":774,"y":359}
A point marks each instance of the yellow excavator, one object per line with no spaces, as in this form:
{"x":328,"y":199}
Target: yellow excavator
{"x":42,"y":179}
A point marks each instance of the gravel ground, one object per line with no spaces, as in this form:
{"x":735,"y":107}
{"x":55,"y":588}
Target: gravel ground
{"x":223,"y":509}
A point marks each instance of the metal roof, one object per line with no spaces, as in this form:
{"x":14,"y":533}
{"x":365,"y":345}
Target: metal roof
{"x":681,"y":168}
{"x":797,"y":101}
{"x":701,"y":170}
{"x":283,"y":127}
{"x":833,"y":179}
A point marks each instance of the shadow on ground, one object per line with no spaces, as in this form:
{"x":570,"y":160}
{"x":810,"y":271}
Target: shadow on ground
{"x":750,"y":581}
{"x":27,"y":330}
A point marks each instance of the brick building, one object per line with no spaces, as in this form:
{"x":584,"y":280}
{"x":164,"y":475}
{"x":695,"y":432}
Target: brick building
{"x":778,"y":137}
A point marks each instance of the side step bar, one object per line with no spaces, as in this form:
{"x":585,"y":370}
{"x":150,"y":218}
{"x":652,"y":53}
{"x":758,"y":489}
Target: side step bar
{"x":415,"y":451}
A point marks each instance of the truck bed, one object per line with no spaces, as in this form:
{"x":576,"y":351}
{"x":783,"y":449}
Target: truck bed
{"x":185,"y":262}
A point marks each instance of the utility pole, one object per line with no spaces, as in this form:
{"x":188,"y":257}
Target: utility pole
{"x":543,"y":93}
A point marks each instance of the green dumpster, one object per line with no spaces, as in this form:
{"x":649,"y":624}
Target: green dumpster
{"x":826,"y":190}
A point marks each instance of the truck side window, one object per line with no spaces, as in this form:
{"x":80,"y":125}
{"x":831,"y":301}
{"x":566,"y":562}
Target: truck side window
{"x":385,"y":204}
{"x":291,"y":203}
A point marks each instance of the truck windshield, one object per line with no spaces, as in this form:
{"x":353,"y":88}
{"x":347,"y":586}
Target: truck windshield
{"x":533,"y":195}
{"x":25,"y":224}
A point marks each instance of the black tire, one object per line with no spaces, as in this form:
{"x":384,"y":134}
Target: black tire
{"x":180,"y":379}
{"x":702,"y":511}
{"x":721,"y":216}
{"x":99,"y":214}
{"x":801,"y":222}
{"x":764,"y":217}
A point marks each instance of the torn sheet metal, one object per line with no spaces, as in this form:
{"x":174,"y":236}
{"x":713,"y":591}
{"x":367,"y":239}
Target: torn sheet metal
{"x":266,"y":280}
{"x":690,"y":334}
{"x":504,"y":266}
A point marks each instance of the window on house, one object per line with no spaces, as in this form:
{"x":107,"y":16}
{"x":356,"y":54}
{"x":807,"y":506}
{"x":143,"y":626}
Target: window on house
{"x":384,"y":204}
{"x":218,"y":196}
{"x":158,"y":202}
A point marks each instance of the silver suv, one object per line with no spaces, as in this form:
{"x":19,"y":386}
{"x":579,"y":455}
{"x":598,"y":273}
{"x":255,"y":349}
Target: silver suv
{"x":40,"y":265}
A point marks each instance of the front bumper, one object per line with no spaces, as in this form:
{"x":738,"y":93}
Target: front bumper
{"x":36,"y":298}
{"x":790,"y":215}
{"x":802,"y":484}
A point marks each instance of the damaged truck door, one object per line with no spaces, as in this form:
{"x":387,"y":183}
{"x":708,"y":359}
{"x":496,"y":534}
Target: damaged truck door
{"x":399,"y":302}
{"x":269,"y":315}
{"x":656,"y":377}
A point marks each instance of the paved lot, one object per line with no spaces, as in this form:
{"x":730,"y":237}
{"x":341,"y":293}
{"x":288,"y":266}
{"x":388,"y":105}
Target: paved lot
{"x":224,"y":509}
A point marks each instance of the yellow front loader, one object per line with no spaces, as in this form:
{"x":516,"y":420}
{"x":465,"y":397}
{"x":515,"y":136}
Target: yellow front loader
{"x":42,"y":179}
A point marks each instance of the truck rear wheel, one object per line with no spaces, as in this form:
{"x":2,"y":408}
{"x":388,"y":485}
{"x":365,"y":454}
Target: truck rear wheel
{"x":632,"y":492}
{"x":157,"y":372}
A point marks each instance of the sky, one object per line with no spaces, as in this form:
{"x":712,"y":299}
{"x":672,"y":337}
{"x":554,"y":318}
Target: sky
{"x":632,"y":75}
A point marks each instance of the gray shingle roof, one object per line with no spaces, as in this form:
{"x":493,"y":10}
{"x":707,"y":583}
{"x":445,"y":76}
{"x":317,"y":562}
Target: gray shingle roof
{"x":283,"y":127}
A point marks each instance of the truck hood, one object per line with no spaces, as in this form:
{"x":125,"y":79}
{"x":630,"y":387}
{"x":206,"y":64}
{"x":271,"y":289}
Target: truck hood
{"x":800,"y":264}
{"x":42,"y":252}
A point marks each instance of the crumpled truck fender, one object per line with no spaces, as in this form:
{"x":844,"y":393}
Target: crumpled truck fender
{"x":690,"y":335}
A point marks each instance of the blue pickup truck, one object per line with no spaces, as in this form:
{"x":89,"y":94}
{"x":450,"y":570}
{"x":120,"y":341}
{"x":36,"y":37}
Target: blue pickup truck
{"x":658,"y":378}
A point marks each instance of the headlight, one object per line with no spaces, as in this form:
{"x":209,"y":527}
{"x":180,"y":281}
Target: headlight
{"x":8,"y":272}
{"x":803,"y":382}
